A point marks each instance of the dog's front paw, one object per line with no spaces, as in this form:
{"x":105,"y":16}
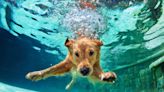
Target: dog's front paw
{"x":109,"y":77}
{"x":34,"y":76}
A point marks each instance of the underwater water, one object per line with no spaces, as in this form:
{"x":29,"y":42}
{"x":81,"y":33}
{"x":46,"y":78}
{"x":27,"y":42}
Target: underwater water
{"x":33,"y":32}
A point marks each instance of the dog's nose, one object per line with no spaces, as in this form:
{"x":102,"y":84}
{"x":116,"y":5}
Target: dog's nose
{"x":84,"y":71}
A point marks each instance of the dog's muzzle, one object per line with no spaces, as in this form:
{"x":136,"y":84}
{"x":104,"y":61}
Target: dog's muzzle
{"x":84,"y":71}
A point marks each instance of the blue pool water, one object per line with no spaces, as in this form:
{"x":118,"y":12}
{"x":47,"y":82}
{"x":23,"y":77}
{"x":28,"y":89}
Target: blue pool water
{"x":33,"y":32}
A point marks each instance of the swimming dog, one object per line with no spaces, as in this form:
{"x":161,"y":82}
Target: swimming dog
{"x":83,"y":59}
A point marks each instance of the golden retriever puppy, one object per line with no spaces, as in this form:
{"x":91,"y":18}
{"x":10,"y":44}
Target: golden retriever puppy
{"x":83,"y":59}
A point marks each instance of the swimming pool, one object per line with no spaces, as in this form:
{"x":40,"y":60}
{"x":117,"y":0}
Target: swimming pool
{"x":33,"y":32}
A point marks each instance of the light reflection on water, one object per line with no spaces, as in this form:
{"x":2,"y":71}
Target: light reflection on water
{"x":131,"y":30}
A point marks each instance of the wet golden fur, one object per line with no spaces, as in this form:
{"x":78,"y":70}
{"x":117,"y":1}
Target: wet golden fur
{"x":82,"y":52}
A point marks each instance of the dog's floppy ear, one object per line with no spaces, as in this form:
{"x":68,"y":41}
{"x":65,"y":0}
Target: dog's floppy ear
{"x":68,"y":42}
{"x":98,"y":42}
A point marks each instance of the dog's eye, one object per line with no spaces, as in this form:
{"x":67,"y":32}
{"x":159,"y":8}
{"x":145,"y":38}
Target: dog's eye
{"x":91,"y":53}
{"x":77,"y":54}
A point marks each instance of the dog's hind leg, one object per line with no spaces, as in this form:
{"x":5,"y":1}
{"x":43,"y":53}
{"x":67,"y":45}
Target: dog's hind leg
{"x":69,"y":86}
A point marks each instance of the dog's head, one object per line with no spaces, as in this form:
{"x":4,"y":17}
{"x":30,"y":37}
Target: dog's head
{"x":85,"y":53}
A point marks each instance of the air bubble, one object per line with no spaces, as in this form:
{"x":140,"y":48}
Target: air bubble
{"x":87,"y":21}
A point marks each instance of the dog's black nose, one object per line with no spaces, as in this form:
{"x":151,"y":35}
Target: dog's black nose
{"x":84,"y":71}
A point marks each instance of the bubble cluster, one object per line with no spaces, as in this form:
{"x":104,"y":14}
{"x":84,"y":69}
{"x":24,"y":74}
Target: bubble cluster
{"x":87,"y":22}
